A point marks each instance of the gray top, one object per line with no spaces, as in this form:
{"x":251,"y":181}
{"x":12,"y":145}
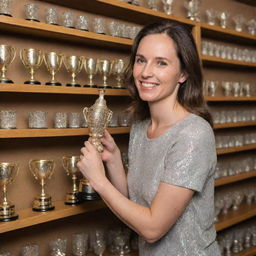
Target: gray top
{"x":184,"y":156}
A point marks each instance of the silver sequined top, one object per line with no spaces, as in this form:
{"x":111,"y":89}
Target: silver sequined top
{"x":183,"y":156}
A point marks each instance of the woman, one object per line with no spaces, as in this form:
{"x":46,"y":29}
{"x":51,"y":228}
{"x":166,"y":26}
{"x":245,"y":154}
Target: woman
{"x":168,"y":195}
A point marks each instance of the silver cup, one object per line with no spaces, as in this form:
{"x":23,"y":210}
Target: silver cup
{"x":7,"y":119}
{"x":90,"y":65}
{"x":5,"y":6}
{"x":104,"y":67}
{"x":32,"y":60}
{"x":118,"y":69}
{"x":51,"y":16}
{"x":192,"y":7}
{"x":53,"y":63}
{"x":73,"y":65}
{"x":7,"y":55}
{"x":31,"y":12}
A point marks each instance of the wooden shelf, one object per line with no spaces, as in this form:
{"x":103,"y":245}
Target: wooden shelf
{"x":229,"y":98}
{"x":27,"y":217}
{"x":32,"y":28}
{"x":224,"y":151}
{"x":230,"y":35}
{"x":233,"y":125}
{"x":249,"y":2}
{"x":30,"y":88}
{"x":234,"y":178}
{"x":211,"y":60}
{"x":244,"y":212}
{"x":120,"y":10}
{"x":32,"y":133}
{"x":247,"y":252}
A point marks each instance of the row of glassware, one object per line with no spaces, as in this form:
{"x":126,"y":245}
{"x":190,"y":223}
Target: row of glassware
{"x":237,"y":238}
{"x":211,"y":15}
{"x":231,"y":141}
{"x":218,"y":50}
{"x":69,"y":20}
{"x":233,"y":116}
{"x":39,"y":120}
{"x":33,"y":58}
{"x":234,"y":167}
{"x":230,"y":198}
{"x":118,"y":241}
{"x":229,"y":88}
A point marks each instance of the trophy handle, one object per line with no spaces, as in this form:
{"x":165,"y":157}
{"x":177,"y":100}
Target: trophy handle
{"x":14,"y":54}
{"x":85,"y":111}
{"x":21,"y":57}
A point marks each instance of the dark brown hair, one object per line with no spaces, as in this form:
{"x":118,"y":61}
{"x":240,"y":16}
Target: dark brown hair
{"x":190,"y":93}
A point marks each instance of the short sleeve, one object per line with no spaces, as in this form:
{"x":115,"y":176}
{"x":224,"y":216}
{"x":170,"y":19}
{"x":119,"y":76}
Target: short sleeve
{"x":191,"y":159}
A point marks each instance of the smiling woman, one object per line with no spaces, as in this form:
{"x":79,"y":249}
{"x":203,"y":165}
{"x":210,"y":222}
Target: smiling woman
{"x":167,"y":196}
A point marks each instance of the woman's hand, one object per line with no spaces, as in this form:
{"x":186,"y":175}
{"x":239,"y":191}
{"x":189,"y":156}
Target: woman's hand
{"x":91,"y":164}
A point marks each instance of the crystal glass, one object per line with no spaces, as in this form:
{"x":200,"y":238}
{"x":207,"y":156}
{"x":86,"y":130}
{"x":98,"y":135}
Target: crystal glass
{"x":210,"y":16}
{"x":99,"y":25}
{"x":239,"y":21}
{"x":192,"y":7}
{"x":5,"y":7}
{"x":99,"y":242}
{"x":31,"y":12}
{"x":61,"y":120}
{"x":51,"y":16}
{"x":74,"y":120}
{"x":4,"y":253}
{"x":152,"y":4}
{"x":7,"y":119}
{"x":82,"y":22}
{"x":79,"y":244}
{"x":37,"y":120}
{"x":30,"y":250}
{"x":251,"y":26}
{"x":167,"y":6}
{"x":58,"y":247}
{"x":223,"y":17}
{"x":68,"y":19}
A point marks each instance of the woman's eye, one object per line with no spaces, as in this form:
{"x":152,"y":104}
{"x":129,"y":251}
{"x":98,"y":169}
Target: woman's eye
{"x":139,"y":60}
{"x":162,"y":63}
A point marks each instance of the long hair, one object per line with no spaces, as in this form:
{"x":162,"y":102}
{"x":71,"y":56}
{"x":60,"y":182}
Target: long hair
{"x":190,"y":93}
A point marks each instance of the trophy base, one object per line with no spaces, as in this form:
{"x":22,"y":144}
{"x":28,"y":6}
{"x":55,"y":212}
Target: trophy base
{"x":90,"y":85}
{"x":73,"y":85}
{"x":6,"y":81}
{"x":32,"y":82}
{"x":86,"y":192}
{"x":7,"y":213}
{"x":104,"y":86}
{"x":33,"y":20}
{"x":133,"y":2}
{"x":53,"y":83}
{"x":6,"y":14}
{"x":82,"y":196}
{"x":72,"y":198}
{"x":42,"y":204}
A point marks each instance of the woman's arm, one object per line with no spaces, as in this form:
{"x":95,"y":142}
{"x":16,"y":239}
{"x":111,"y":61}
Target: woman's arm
{"x":152,"y":222}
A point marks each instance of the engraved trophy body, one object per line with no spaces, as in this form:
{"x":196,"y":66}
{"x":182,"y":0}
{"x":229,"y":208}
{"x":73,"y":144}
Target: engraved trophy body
{"x":104,"y":67}
{"x":90,"y":66}
{"x":8,"y":171}
{"x":97,"y":117}
{"x":70,"y":165}
{"x":118,"y":69}
{"x":53,"y":63}
{"x":7,"y":55}
{"x":32,"y":60}
{"x":42,"y":170}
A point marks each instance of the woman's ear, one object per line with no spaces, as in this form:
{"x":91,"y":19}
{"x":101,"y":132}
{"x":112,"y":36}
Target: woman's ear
{"x":183,"y":78}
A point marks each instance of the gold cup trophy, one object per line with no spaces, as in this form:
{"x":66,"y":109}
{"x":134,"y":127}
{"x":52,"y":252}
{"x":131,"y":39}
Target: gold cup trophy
{"x":8,"y":171}
{"x":42,"y":170}
{"x":70,"y":165}
{"x":97,"y":117}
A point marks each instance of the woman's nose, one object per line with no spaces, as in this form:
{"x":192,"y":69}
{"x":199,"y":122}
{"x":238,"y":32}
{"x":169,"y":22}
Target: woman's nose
{"x":147,"y":70}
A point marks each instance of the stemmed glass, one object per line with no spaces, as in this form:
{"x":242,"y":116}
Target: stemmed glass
{"x":99,"y":242}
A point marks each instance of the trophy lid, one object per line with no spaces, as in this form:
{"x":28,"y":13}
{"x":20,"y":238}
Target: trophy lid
{"x":100,"y":102}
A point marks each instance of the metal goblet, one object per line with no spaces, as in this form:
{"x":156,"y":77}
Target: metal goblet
{"x":53,"y":63}
{"x":73,"y":65}
{"x":90,"y":65}
{"x":118,"y":69}
{"x":7,"y":55}
{"x":104,"y":67}
{"x":8,"y":172}
{"x":32,"y":60}
{"x":42,"y":170}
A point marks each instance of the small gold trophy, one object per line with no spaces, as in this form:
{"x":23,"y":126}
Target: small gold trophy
{"x":70,"y":166}
{"x":97,"y":117}
{"x":42,"y":170}
{"x":8,"y":171}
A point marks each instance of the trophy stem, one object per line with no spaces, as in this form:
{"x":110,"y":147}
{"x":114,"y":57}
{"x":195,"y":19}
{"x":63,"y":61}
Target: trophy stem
{"x":104,"y":81}
{"x":75,"y":189}
{"x":53,"y":76}
{"x":5,"y":202}
{"x":73,"y":78}
{"x":43,"y":190}
{"x":32,"y":73}
{"x":3,"y":77}
{"x":90,"y":79}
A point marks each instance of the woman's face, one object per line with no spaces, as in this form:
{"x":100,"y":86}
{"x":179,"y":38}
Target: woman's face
{"x":156,"y":68}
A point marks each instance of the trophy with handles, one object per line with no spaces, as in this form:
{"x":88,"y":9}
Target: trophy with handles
{"x":97,"y":117}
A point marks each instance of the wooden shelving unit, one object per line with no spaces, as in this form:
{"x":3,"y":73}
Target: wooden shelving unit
{"x":229,"y":98}
{"x":234,"y":178}
{"x":232,"y":125}
{"x":247,"y":252}
{"x":224,"y":151}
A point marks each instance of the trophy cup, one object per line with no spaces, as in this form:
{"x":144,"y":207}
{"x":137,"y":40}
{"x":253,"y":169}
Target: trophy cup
{"x":97,"y":117}
{"x":70,"y":166}
{"x":5,"y":7}
{"x":8,"y":171}
{"x":32,"y":60}
{"x":42,"y":170}
{"x":118,"y":69}
{"x":73,"y":65}
{"x":167,"y":6}
{"x":192,"y":7}
{"x":104,"y":67}
{"x":53,"y":63}
{"x":90,"y":66}
{"x":7,"y":55}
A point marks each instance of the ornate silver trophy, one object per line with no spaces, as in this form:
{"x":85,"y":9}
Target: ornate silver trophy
{"x":97,"y":117}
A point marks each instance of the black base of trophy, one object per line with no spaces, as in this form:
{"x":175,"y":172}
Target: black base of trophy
{"x":6,"y":14}
{"x":33,"y":20}
{"x":74,"y":203}
{"x":9,"y":218}
{"x":44,"y":210}
{"x":32,"y":82}
{"x":82,"y":196}
{"x":90,"y":85}
{"x":133,"y":2}
{"x":6,"y":81}
{"x":53,"y":83}
{"x":104,"y":87}
{"x":73,"y":85}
